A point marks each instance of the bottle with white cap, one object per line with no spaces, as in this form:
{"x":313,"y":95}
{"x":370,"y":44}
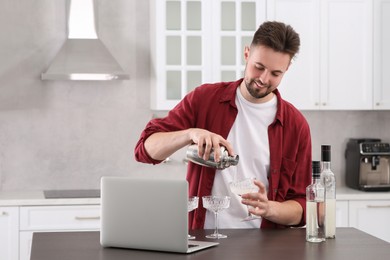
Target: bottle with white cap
{"x":315,"y":207}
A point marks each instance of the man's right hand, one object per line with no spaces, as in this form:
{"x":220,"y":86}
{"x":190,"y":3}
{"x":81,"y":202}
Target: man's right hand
{"x":207,"y":140}
{"x":161,"y":145}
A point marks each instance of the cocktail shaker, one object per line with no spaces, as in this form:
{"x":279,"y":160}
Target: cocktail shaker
{"x":225,"y":161}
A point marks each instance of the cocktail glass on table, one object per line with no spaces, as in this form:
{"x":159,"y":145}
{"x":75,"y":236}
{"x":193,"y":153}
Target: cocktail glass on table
{"x":193,"y":202}
{"x":216,"y":204}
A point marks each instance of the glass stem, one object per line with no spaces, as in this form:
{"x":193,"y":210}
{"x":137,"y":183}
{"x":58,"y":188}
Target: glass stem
{"x":216,"y":224}
{"x":249,"y":214}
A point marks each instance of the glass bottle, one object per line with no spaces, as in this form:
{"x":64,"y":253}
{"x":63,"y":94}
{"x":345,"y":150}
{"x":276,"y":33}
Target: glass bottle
{"x":315,"y":207}
{"x":329,"y":181}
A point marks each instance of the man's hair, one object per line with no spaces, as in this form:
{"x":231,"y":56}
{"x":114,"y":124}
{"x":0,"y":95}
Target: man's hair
{"x":277,"y":36}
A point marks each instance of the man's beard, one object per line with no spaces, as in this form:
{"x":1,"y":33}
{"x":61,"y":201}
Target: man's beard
{"x":255,"y":92}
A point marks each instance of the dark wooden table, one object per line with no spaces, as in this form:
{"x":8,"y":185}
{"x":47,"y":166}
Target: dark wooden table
{"x":241,"y":244}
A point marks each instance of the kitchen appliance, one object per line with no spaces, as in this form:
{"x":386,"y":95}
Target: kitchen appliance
{"x":368,"y":164}
{"x":84,"y":56}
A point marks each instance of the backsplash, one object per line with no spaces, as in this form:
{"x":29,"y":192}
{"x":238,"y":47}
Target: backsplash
{"x":66,"y":135}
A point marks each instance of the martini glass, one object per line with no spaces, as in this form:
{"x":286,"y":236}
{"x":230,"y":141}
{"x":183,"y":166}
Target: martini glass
{"x":193,"y":202}
{"x":245,"y":186}
{"x":216,"y":204}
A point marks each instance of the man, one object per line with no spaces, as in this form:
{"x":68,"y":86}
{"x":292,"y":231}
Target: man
{"x":249,"y":118}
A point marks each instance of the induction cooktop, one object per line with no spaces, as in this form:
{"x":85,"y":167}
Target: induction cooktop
{"x":59,"y":194}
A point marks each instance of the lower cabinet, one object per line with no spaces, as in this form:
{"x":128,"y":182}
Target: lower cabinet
{"x":9,"y":232}
{"x":371,"y":216}
{"x":52,"y":219}
{"x":18,"y":223}
{"x":341,"y":213}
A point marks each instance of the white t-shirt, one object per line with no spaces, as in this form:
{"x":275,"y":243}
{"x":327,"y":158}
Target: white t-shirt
{"x":249,"y":138}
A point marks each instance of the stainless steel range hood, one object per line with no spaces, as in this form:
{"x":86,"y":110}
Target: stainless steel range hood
{"x":83,"y":56}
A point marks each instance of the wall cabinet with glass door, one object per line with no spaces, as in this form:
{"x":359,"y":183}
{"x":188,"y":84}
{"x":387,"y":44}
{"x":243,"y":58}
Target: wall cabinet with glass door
{"x":199,"y":41}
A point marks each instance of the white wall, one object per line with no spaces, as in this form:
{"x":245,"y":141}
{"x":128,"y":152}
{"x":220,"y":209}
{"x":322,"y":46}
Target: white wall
{"x":64,"y":135}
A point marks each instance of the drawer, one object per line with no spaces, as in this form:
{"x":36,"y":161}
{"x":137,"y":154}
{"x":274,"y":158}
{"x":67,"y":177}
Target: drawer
{"x":37,"y":218}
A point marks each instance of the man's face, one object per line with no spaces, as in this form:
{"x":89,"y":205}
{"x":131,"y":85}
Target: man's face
{"x":263,"y":72}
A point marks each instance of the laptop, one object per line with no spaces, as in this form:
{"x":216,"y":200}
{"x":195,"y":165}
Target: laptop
{"x":147,"y":214}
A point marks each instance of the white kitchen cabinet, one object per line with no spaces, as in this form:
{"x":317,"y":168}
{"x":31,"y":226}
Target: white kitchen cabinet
{"x":371,"y":216}
{"x":198,"y":41}
{"x":9,"y":232}
{"x":301,"y":83}
{"x":55,"y":218}
{"x":333,"y":70}
{"x":192,"y":45}
{"x":381,"y":54}
{"x":346,"y":54}
{"x":342,"y":212}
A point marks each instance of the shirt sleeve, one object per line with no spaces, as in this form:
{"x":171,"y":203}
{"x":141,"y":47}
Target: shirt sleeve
{"x":302,"y":175}
{"x":179,"y":118}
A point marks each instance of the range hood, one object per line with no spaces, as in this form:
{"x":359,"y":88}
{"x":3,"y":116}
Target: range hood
{"x":83,"y":56}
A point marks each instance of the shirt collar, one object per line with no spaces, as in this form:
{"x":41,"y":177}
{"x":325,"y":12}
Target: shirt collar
{"x":230,"y":96}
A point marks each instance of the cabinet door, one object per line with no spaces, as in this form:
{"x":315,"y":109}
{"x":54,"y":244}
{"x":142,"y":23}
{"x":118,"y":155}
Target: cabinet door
{"x":198,"y":41}
{"x":9,"y":232}
{"x":342,"y":213}
{"x":180,"y":49}
{"x":234,"y":23}
{"x":346,"y":54}
{"x":381,"y":54}
{"x":371,"y":217}
{"x":301,"y":83}
{"x":25,"y":242}
{"x":39,"y":218}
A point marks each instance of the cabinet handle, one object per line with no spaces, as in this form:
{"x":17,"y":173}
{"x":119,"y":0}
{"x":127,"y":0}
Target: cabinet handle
{"x":3,"y":213}
{"x":87,"y":218}
{"x":378,"y":206}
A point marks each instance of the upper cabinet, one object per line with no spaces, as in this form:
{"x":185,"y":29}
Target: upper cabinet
{"x":346,"y":54}
{"x":381,"y":54}
{"x":200,"y":41}
{"x":333,"y":70}
{"x":301,"y":83}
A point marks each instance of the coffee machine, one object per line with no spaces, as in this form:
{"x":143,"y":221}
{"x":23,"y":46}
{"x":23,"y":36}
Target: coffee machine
{"x":368,"y":164}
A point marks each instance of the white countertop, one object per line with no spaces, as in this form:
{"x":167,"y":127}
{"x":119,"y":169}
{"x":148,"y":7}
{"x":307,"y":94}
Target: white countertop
{"x":36,"y":198}
{"x":345,"y":193}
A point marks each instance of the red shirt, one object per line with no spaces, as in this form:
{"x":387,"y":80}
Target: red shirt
{"x":212,"y":107}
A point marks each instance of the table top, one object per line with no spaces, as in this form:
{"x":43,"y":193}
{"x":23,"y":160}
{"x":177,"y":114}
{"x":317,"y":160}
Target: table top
{"x":246,"y":244}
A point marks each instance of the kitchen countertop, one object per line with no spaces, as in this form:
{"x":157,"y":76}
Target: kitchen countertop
{"x":36,"y":198}
{"x":240,"y":244}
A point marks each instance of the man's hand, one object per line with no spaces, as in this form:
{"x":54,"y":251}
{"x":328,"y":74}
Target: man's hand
{"x":258,"y":201}
{"x":288,"y":212}
{"x":207,"y":140}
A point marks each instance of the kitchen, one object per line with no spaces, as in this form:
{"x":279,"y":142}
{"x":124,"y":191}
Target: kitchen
{"x":57,"y":135}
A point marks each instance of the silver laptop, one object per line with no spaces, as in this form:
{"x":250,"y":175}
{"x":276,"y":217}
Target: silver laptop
{"x":148,"y":214}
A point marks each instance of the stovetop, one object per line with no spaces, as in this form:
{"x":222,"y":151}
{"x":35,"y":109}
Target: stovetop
{"x":59,"y":194}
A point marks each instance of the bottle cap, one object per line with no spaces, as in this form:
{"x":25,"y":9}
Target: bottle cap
{"x":325,"y":153}
{"x":316,"y":165}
